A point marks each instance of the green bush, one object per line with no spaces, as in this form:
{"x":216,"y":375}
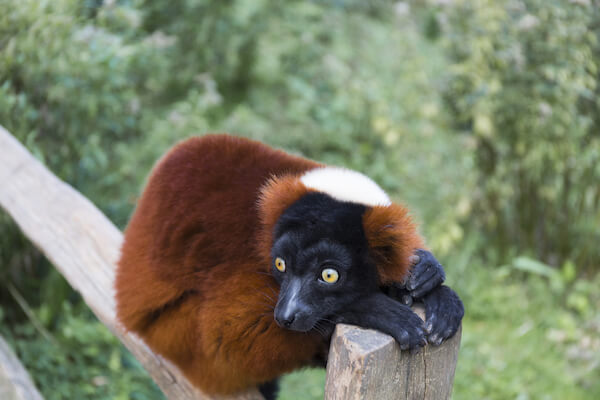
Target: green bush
{"x":519,"y":339}
{"x":322,"y":86}
{"x":71,"y":89}
{"x":80,"y":359}
{"x":523,"y":87}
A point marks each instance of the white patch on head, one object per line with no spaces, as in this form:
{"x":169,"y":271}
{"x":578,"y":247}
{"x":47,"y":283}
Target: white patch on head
{"x":346,"y":185}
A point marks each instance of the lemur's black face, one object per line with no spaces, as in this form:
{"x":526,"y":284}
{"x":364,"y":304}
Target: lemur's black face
{"x":320,"y":259}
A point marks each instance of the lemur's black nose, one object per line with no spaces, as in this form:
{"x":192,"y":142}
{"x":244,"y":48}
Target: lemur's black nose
{"x":286,"y":320}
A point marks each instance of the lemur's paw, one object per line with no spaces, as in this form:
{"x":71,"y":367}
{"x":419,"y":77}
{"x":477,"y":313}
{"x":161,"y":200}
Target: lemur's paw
{"x":444,"y":312}
{"x":410,"y":332}
{"x":426,"y":274}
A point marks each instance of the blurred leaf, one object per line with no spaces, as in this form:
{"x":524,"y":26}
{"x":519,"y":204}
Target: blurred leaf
{"x":533,"y":266}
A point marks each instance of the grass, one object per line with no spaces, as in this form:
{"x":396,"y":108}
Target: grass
{"x":306,"y":384}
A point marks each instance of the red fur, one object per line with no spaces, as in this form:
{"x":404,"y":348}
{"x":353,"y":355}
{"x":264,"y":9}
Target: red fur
{"x":191,"y":280}
{"x":392,"y":240}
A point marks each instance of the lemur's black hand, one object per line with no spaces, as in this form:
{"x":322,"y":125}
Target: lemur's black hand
{"x":385,"y":314}
{"x":426,"y":274}
{"x":443,"y":308}
{"x":443,"y":311}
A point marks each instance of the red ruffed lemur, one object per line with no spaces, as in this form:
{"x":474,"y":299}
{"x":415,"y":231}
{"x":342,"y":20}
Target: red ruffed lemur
{"x":240,"y":259}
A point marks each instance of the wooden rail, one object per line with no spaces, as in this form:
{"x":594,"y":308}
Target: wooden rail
{"x":15,"y":383}
{"x":84,"y":246}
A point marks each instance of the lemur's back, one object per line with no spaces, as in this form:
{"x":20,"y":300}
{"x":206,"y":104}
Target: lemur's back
{"x":189,"y":278}
{"x":200,"y":202}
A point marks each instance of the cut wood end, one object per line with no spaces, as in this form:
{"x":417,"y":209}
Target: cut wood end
{"x":367,"y":364}
{"x":364,"y":341}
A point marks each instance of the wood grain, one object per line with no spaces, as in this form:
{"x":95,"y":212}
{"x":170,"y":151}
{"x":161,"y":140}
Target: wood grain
{"x":365,"y":364}
{"x":15,"y":383}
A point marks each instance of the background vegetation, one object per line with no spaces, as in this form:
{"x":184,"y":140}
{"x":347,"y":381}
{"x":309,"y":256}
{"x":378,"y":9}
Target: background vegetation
{"x":482,"y":115}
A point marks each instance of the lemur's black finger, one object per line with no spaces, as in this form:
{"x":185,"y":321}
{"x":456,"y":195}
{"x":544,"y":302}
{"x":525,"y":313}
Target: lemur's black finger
{"x":421,"y":253}
{"x":418,"y":277}
{"x":418,"y":347}
{"x":407,"y":299}
{"x":414,"y":259}
{"x":437,"y":339}
{"x":415,"y":350}
{"x":449,"y":332}
{"x":444,"y":312}
{"x":427,"y":286}
{"x":442,"y":332}
{"x":436,"y":336}
{"x":429,"y":322}
{"x":426,"y":259}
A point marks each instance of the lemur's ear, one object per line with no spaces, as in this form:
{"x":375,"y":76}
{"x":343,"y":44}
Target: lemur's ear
{"x":276,"y":195}
{"x":391,"y":235}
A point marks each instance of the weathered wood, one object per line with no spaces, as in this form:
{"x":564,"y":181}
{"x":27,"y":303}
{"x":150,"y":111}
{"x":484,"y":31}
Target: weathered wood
{"x":365,"y":364}
{"x":15,"y":383}
{"x":83,"y":245}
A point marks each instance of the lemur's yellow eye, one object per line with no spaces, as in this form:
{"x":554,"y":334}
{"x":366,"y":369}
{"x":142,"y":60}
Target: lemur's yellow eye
{"x":330,"y":275}
{"x":280,"y":264}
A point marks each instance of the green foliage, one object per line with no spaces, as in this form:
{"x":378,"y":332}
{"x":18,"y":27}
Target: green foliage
{"x":81,"y":360}
{"x":319,"y":88}
{"x":507,"y":152}
{"x":307,"y":384}
{"x":71,"y":88}
{"x":524,"y":334}
{"x":523,"y":87}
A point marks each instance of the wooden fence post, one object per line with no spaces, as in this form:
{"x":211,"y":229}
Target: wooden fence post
{"x":364,"y":364}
